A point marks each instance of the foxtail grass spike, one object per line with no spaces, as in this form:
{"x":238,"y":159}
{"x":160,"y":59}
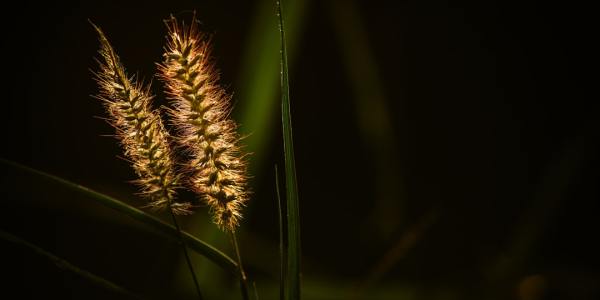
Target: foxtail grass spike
{"x":139,"y":129}
{"x":201,"y":109}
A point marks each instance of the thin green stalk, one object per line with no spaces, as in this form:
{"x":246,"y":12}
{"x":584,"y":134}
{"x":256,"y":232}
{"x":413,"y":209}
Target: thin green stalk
{"x":281,"y":253}
{"x":293,"y":215}
{"x":63,"y":264}
{"x":194,"y":243}
{"x":185,"y":252}
{"x":243,"y":278}
{"x":259,"y":75}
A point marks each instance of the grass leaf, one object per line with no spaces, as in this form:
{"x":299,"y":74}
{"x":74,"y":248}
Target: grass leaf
{"x":292,"y":290}
{"x":281,"y":253}
{"x":259,"y":75}
{"x":195,"y":244}
{"x":65,"y":265}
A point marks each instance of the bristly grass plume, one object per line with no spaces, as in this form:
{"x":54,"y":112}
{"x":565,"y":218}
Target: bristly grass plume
{"x":201,"y":109}
{"x":139,"y":129}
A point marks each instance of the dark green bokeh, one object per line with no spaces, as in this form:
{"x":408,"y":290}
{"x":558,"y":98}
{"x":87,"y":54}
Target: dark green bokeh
{"x":444,"y":150}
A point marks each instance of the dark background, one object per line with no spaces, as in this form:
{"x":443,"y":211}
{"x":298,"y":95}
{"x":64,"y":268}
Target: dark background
{"x":445,"y":150}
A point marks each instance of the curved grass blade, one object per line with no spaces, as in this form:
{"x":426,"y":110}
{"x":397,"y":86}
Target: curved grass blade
{"x":63,"y":264}
{"x":292,"y":290}
{"x":194,"y":243}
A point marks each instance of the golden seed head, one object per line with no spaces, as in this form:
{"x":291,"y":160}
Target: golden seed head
{"x":201,"y":110}
{"x":140,"y":130}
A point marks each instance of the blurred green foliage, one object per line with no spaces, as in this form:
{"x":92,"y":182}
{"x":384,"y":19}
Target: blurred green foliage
{"x":431,"y":161}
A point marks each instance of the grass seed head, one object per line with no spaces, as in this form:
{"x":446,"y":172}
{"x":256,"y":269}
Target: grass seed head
{"x":139,"y":129}
{"x":201,"y":109}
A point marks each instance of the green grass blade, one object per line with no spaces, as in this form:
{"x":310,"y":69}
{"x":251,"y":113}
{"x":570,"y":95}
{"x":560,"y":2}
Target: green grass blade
{"x":63,"y":264}
{"x":281,"y":253}
{"x":194,"y":243}
{"x":259,"y":75}
{"x":292,"y":290}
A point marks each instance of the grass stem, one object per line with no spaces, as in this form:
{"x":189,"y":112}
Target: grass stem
{"x":185,"y":252}
{"x":282,"y":254}
{"x":243,"y":278}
